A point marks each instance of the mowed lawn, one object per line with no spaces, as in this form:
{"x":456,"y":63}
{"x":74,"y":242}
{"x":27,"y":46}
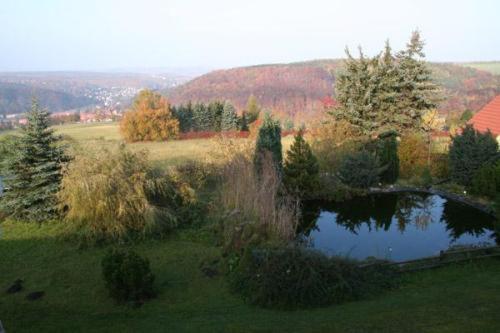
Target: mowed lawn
{"x":458,"y":298}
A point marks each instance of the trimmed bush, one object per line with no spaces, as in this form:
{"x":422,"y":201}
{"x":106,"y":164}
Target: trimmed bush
{"x":360,"y":170}
{"x":127,"y":277}
{"x":486,"y":181}
{"x":290,"y":278}
{"x":387,"y":152}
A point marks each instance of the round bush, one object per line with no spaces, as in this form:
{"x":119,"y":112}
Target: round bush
{"x":127,"y":276}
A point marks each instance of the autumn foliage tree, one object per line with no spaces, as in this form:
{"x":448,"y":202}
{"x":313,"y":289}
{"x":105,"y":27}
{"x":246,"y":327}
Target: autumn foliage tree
{"x":149,"y":119}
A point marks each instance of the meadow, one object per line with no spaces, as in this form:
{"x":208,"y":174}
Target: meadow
{"x":457,"y":298}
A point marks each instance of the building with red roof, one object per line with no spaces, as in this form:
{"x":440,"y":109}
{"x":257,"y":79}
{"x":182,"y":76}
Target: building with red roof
{"x":488,"y":118}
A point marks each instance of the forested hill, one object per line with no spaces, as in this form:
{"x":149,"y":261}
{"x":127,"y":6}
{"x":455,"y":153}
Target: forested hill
{"x":16,"y":98}
{"x":300,"y":89}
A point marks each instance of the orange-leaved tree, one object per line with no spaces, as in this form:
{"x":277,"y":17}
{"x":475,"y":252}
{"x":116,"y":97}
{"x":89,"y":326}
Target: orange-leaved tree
{"x":149,"y":119}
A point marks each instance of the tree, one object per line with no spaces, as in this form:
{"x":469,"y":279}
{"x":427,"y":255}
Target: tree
{"x":301,"y":170}
{"x":149,"y":119}
{"x":184,"y":114}
{"x":466,"y":116}
{"x":469,"y":151}
{"x":34,"y":170}
{"x":360,"y":169}
{"x":215,"y":111}
{"x":430,"y":123}
{"x":201,"y":118}
{"x":253,"y":109}
{"x":244,"y":122}
{"x":229,"y":117}
{"x":386,"y":93}
{"x":269,"y":142}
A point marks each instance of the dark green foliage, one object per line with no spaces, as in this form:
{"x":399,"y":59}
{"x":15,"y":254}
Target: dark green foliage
{"x":360,"y":170}
{"x":244,"y":122}
{"x":468,"y":152}
{"x":127,"y":276}
{"x":486,"y":180}
{"x":291,"y":278}
{"x":229,"y":121}
{"x":215,"y":113}
{"x":269,"y":142}
{"x":301,"y":170}
{"x":387,"y":152}
{"x":34,"y":171}
{"x":184,"y":113}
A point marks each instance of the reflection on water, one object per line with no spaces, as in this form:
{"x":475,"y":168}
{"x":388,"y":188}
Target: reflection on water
{"x":398,"y":227}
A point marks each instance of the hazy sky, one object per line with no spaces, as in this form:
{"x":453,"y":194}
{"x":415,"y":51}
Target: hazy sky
{"x":110,"y":34}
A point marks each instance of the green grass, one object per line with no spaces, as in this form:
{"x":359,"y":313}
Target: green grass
{"x":459,"y":298}
{"x":488,"y":66}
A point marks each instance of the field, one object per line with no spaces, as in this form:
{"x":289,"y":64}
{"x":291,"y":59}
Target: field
{"x":456,"y":298}
{"x":488,"y":66}
{"x":459,"y":298}
{"x":164,"y":153}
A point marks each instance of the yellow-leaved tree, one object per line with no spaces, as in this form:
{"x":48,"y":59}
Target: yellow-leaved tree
{"x":149,"y":119}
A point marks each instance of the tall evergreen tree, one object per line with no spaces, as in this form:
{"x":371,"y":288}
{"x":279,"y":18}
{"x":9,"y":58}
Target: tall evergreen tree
{"x":229,"y":118}
{"x":215,"y":114}
{"x":301,"y":170}
{"x":201,"y":117}
{"x":34,"y":171}
{"x":269,"y":142}
{"x":244,"y":122}
{"x":387,"y":152}
{"x":252,"y":109}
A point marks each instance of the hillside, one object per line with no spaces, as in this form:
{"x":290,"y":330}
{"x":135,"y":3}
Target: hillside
{"x":16,"y":98}
{"x":296,"y":90}
{"x":487,"y":66}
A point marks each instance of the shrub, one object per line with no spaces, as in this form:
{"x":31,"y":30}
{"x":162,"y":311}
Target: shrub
{"x":149,"y":119}
{"x":298,"y":278}
{"x":127,"y":277}
{"x":412,"y":153}
{"x":486,"y":180}
{"x":468,"y":152}
{"x":360,"y":170}
{"x":112,"y":193}
{"x":439,"y":166}
{"x":301,"y":170}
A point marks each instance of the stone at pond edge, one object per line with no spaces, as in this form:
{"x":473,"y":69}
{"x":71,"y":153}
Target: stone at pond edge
{"x":35,"y":295}
{"x":16,"y":287}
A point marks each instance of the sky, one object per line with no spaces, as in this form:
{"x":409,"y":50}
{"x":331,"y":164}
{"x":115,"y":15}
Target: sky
{"x":101,"y":35}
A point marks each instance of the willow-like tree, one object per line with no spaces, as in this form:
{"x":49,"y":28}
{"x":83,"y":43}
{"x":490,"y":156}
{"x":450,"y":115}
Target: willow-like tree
{"x":34,"y":171}
{"x":301,"y":169}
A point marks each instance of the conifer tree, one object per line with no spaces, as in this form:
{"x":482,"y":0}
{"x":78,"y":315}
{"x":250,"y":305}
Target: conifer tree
{"x":387,"y":152}
{"x":34,"y":171}
{"x":215,"y":114}
{"x":252,"y":109}
{"x":269,"y":142}
{"x":229,"y":117}
{"x":244,"y":122}
{"x":201,"y":118}
{"x":301,"y":169}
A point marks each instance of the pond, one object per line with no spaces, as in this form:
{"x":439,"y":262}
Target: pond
{"x":395,"y":226}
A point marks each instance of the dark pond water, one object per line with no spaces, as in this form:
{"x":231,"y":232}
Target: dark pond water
{"x":396,"y":227}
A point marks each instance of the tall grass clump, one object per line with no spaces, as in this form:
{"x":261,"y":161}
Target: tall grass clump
{"x":111,"y":193}
{"x":255,"y":208}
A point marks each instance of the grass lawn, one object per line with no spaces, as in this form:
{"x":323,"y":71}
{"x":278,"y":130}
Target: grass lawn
{"x":459,"y":298}
{"x":488,"y":66}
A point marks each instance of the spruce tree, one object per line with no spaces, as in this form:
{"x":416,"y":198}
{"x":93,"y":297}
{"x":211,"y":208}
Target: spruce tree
{"x":269,"y":142}
{"x":301,"y":170}
{"x":215,"y":114}
{"x":229,"y":118}
{"x":201,"y":118}
{"x":244,"y":122}
{"x":34,"y":171}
